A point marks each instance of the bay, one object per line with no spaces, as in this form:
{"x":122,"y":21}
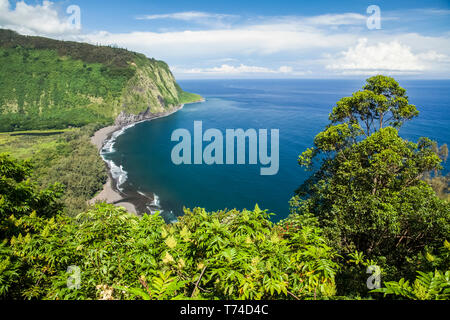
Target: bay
{"x":298,"y":108}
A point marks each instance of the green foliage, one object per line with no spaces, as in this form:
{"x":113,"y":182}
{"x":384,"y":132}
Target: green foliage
{"x":66,"y":157}
{"x":115,"y":58}
{"x":427,"y":286}
{"x":368,"y":204}
{"x":49,"y":92}
{"x":19,"y":197}
{"x":226,"y":254}
{"x":51,"y":84}
{"x":433,"y":285}
{"x":75,"y":163}
{"x":368,"y":194}
{"x":163,"y":286}
{"x":242,"y":255}
{"x":381,"y":102}
{"x":439,"y":183}
{"x":187,"y":97}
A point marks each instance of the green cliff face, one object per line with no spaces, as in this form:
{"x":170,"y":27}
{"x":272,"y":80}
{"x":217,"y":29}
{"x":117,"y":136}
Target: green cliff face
{"x":51,"y":84}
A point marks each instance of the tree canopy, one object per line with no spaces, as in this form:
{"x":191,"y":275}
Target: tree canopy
{"x":367,"y":190}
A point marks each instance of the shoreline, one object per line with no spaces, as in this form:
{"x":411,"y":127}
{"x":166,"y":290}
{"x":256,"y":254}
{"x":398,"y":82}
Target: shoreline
{"x":110,"y":194}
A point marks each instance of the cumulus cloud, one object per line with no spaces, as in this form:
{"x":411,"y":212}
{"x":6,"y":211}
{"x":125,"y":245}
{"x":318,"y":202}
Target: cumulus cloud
{"x":35,"y":19}
{"x":257,"y":40}
{"x":366,"y":58}
{"x":408,"y":53}
{"x":327,"y":44}
{"x":433,"y":56}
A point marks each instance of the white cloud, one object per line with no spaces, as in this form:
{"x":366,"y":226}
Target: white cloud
{"x":433,"y":56}
{"x":259,"y":40}
{"x":285,"y":69}
{"x":432,"y":11}
{"x":234,"y":70}
{"x":203,"y":18}
{"x":186,"y":16}
{"x":366,"y":58}
{"x":336,"y":19}
{"x":327,"y":44}
{"x":303,"y":47}
{"x":34,"y":20}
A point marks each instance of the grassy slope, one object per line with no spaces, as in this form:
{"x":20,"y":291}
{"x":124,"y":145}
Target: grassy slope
{"x":47,"y":87}
{"x":50,"y":84}
{"x":187,"y":97}
{"x":50,"y":92}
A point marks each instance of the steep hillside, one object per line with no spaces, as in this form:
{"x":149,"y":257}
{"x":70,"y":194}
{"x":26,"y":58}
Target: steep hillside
{"x":51,"y":84}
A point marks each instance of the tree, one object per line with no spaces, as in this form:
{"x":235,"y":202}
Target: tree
{"x":439,"y":183}
{"x":19,"y":197}
{"x":432,"y":284}
{"x":441,"y":151}
{"x":381,"y":102}
{"x":367,"y":192}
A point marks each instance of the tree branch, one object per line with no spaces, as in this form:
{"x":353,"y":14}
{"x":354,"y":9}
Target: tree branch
{"x":198,"y":281}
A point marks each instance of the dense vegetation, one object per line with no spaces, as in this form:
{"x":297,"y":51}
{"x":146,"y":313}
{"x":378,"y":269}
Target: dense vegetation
{"x":439,"y":182}
{"x":367,"y":203}
{"x":107,"y":253}
{"x":368,"y":192}
{"x":227,"y":254}
{"x":51,"y":84}
{"x":67,"y":157}
{"x":108,"y":56}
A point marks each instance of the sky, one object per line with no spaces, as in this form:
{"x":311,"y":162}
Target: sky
{"x":255,"y":39}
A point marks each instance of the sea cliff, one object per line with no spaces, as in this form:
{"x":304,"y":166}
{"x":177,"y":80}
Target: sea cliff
{"x":52,"y":84}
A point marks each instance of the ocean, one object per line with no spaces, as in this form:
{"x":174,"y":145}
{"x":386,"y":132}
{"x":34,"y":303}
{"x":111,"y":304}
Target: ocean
{"x":299,"y":109}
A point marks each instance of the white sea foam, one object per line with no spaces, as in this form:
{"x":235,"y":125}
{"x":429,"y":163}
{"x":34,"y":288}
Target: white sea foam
{"x":155,"y":201}
{"x":154,"y":206}
{"x":142,"y":194}
{"x":117,"y":172}
{"x":119,"y":175}
{"x":108,"y":146}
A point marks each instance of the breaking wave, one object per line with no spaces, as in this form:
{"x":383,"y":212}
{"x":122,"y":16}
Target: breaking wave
{"x":118,"y":174}
{"x":108,"y":146}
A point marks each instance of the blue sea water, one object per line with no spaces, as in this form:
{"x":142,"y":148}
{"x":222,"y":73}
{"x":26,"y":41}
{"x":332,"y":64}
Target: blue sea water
{"x":298,"y":108}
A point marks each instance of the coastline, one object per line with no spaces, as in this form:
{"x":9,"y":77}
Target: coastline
{"x":110,"y":193}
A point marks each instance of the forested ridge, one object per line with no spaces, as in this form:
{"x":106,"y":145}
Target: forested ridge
{"x":369,"y":203}
{"x":52,"y":84}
